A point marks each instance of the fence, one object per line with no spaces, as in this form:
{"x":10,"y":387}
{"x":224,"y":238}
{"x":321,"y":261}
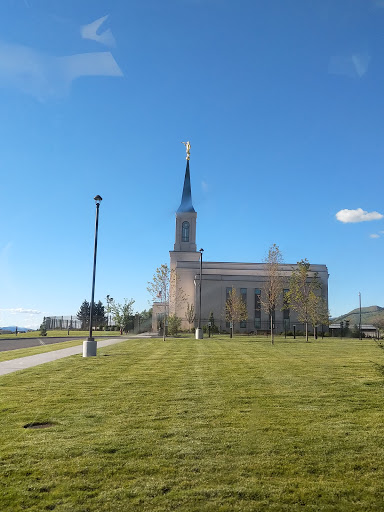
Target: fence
{"x":250,"y":326}
{"x":62,"y":323}
{"x":71,"y":323}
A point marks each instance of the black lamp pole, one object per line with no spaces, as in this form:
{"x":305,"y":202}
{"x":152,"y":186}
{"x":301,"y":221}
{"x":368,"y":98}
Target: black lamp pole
{"x":98,"y":200}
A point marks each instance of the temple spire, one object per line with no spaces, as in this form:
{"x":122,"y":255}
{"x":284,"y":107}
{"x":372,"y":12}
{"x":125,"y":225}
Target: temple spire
{"x":186,"y":198}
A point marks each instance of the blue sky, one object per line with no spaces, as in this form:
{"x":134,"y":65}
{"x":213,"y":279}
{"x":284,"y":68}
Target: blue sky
{"x":283,"y":104}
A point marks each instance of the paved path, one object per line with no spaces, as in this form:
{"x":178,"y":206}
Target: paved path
{"x":15,"y":343}
{"x":27,"y":362}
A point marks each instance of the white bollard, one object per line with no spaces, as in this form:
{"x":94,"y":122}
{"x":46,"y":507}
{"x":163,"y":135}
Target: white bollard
{"x":89,"y":348}
{"x":199,"y":334}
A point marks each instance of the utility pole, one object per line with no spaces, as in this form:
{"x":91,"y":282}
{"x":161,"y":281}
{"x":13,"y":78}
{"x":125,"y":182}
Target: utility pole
{"x":360,"y":316}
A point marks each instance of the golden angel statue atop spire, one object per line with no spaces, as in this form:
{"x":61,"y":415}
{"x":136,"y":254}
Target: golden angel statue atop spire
{"x":188,"y":149}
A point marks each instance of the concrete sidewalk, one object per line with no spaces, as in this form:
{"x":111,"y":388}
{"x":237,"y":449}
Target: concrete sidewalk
{"x":27,"y":362}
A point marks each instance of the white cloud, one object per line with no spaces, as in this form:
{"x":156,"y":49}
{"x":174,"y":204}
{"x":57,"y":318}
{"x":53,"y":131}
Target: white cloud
{"x":354,"y":66}
{"x":43,"y":76}
{"x":15,"y":311}
{"x":374,"y":235}
{"x":204,"y":186}
{"x":358,"y":215}
{"x":90,"y":32}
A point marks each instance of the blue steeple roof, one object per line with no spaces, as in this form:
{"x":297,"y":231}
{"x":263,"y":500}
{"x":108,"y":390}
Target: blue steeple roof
{"x":186,"y":198}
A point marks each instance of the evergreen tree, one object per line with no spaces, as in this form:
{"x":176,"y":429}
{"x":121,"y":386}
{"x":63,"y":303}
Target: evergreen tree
{"x":174,"y":325}
{"x":43,"y":329}
{"x":99,"y":314}
{"x":83,"y":315}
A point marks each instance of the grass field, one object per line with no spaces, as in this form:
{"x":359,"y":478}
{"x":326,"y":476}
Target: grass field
{"x":197,"y":425}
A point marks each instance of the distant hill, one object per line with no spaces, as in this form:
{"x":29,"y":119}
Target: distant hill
{"x":12,"y":328}
{"x":367,"y":316}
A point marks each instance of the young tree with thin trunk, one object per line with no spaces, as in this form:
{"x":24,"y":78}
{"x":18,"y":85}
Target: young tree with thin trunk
{"x":302,"y":288}
{"x":122,"y":314}
{"x":235,"y":309}
{"x":378,"y":322}
{"x":190,"y":314}
{"x":318,"y":311}
{"x":273,"y":286}
{"x":165,"y":287}
{"x":159,"y":290}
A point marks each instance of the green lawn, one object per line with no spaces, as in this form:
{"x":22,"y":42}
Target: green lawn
{"x":198,"y":425}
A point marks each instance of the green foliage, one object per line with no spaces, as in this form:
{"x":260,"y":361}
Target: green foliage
{"x":214,"y":329}
{"x":43,"y":329}
{"x":146,"y":314}
{"x":99,"y":314}
{"x":123,"y":314}
{"x":174,"y":325}
{"x":83,"y":314}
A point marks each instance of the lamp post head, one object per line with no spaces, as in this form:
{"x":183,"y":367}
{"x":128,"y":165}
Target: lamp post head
{"x":98,"y":199}
{"x":201,"y":250}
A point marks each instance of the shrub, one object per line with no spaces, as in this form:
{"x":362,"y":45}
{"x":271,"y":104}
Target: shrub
{"x":174,"y":324}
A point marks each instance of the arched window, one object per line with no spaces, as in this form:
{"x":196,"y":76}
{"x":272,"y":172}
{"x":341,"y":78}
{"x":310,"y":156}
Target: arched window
{"x":185,"y":232}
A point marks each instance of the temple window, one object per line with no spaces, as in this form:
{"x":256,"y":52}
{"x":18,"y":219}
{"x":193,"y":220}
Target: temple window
{"x":185,"y":232}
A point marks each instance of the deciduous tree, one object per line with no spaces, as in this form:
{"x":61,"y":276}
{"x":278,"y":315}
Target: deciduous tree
{"x":302,"y":288}
{"x":318,"y":311}
{"x":190,"y":314}
{"x":273,"y":286}
{"x":165,"y":288}
{"x":123,"y":314}
{"x":235,"y":309}
{"x":378,"y":322}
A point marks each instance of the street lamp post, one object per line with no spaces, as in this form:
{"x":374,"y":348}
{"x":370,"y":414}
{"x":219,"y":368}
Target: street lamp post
{"x":199,"y":330}
{"x":90,"y":345}
{"x":109,"y":316}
